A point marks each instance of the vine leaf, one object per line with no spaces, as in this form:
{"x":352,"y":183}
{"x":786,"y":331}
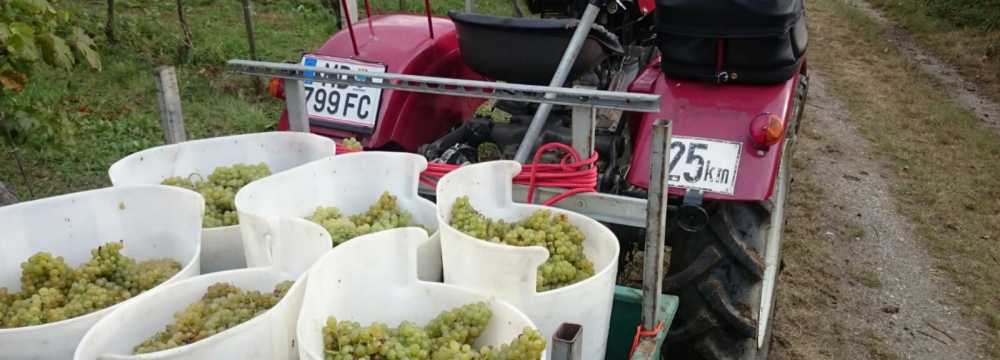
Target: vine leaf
{"x":85,"y":46}
{"x":56,"y":52}
{"x":34,"y":6}
{"x":21,"y":42}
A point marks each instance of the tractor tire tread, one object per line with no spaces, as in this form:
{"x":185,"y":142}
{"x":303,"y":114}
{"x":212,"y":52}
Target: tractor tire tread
{"x":702,"y":323}
{"x":712,"y":291}
{"x":705,"y":262}
{"x":729,"y":237}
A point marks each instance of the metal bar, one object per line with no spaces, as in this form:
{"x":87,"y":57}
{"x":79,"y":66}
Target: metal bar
{"x":171,"y":115}
{"x":455,"y":87}
{"x":350,"y":27}
{"x":656,"y":223}
{"x":251,"y":39}
{"x":470,"y":6}
{"x":558,"y":80}
{"x":295,"y":101}
{"x":614,"y":209}
{"x":248,"y":22}
{"x":368,"y":16}
{"x":772,"y":250}
{"x":430,"y":25}
{"x":607,"y":208}
{"x":583,"y":127}
{"x":567,"y":342}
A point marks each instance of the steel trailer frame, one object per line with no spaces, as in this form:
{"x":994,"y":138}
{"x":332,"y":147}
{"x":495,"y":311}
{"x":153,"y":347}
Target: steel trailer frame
{"x":650,"y":213}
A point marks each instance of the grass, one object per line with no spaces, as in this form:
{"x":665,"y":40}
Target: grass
{"x":854,"y":232}
{"x":877,"y":347}
{"x":965,"y":33}
{"x":114,"y":112}
{"x":866,"y":277}
{"x":945,"y":164}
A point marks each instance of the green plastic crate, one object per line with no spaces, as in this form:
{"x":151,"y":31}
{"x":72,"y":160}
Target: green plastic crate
{"x":626,"y":314}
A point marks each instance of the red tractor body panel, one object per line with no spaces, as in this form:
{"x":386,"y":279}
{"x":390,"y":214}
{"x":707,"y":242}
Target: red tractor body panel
{"x":402,"y":42}
{"x":698,"y":109}
{"x":707,"y":110}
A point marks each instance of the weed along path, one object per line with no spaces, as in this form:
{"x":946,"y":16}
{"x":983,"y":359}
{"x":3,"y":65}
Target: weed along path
{"x":945,"y":76}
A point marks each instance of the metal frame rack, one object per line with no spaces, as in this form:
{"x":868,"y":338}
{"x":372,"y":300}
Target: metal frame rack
{"x":649,"y":213}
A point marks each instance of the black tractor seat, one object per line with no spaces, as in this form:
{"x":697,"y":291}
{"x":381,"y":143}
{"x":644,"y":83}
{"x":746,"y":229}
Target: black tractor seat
{"x":527,"y":50}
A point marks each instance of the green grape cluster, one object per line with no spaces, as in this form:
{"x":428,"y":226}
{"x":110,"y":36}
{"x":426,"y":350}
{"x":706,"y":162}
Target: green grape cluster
{"x":351,"y":144}
{"x":222,"y":307}
{"x":384,"y":214}
{"x":52,"y":291}
{"x":567,"y":263}
{"x":220,"y":190}
{"x":449,"y":336}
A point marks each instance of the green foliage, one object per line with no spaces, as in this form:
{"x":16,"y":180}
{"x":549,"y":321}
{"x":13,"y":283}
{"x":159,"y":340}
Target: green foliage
{"x":33,"y":32}
{"x":982,"y":14}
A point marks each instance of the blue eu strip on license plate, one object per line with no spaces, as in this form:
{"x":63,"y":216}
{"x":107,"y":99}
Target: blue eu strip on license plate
{"x":310,"y":62}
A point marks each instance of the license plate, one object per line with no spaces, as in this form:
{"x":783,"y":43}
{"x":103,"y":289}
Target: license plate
{"x":704,"y":164}
{"x":351,"y":105}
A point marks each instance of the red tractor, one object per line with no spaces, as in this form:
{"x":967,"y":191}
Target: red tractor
{"x":730,"y":74}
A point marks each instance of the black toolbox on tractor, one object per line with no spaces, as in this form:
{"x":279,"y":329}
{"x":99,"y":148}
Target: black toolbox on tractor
{"x":731,"y":41}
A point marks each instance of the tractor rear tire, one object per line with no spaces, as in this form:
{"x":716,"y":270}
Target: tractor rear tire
{"x":716,"y":272}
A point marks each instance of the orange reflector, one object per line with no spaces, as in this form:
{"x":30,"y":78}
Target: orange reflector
{"x":274,"y":88}
{"x":766,"y":129}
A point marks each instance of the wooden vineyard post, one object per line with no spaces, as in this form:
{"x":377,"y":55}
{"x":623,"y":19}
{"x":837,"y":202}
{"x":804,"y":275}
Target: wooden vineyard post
{"x":171,"y":117}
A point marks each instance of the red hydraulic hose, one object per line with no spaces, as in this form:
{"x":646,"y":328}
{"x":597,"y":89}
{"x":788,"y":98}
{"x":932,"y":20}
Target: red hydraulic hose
{"x":573,"y":173}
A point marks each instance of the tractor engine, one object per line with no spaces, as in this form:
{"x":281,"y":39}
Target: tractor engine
{"x":496,"y":130}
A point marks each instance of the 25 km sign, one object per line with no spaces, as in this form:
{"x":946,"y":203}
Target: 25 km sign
{"x":350,"y":105}
{"x":704,"y":164}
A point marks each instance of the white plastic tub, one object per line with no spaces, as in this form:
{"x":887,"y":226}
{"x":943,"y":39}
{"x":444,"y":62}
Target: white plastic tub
{"x":510,"y":272}
{"x":268,"y":336}
{"x":374,"y":278}
{"x":222,"y":248}
{"x":152,"y":222}
{"x":350,"y":182}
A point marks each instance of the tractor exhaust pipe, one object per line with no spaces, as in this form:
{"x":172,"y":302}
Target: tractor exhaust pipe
{"x":558,"y":80}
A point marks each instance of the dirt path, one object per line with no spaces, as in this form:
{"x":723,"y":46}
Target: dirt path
{"x":961,"y":91}
{"x":888,"y":286}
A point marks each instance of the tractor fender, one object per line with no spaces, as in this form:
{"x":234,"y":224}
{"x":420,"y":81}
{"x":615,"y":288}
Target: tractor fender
{"x":404,"y":44}
{"x":712,"y":111}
